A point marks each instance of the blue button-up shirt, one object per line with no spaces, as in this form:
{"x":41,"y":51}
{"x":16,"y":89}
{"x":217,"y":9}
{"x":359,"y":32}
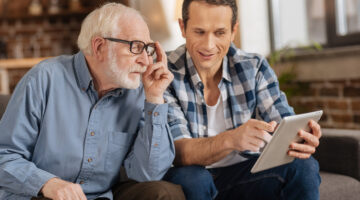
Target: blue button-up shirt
{"x":56,"y":126}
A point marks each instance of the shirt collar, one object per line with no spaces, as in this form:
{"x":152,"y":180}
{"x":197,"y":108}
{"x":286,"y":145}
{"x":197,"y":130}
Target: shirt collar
{"x":84,"y":76}
{"x":195,"y":78}
{"x":194,"y":75}
{"x":225,"y":68}
{"x":82,"y":71}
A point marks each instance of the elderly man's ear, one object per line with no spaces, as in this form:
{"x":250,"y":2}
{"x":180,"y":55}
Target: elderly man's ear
{"x":99,"y":48}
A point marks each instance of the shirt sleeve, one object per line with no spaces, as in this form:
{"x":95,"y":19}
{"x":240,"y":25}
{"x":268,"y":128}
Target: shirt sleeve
{"x":176,"y":117}
{"x":19,"y":129}
{"x":153,"y":151}
{"x":271,"y":101}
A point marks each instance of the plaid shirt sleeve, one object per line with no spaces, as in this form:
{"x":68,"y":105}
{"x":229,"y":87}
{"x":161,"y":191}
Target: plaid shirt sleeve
{"x":271,"y":101}
{"x":177,"y":121}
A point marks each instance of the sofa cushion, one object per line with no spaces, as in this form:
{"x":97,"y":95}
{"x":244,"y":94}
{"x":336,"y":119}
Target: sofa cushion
{"x":339,"y":152}
{"x":336,"y":186}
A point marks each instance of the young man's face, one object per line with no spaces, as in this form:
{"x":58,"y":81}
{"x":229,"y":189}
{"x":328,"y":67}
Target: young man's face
{"x":208,"y":34}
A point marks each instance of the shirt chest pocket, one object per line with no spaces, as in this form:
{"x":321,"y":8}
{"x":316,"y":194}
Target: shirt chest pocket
{"x":118,"y":145}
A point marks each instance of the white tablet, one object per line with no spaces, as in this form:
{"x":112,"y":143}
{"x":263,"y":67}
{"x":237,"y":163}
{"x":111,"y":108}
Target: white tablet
{"x":275,"y":152}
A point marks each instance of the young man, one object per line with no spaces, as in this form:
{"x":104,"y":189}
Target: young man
{"x":73,"y":121}
{"x":217,"y":93}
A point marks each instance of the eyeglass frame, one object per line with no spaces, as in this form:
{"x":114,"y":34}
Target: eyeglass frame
{"x":131,"y":44}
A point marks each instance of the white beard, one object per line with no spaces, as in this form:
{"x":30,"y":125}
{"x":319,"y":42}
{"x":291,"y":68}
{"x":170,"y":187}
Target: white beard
{"x":121,"y":77}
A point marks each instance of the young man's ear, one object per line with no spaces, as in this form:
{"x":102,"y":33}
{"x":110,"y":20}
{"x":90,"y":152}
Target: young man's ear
{"x":98,"y":48}
{"x":234,"y":31}
{"x":182,"y":27}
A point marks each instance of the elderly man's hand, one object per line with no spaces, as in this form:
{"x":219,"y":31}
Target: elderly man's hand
{"x":58,"y":189}
{"x":305,"y":149}
{"x":157,"y":77}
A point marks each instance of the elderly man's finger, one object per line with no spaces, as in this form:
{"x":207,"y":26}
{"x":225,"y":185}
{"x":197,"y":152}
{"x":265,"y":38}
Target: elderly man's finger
{"x":151,"y":69}
{"x":160,"y":53}
{"x":80,"y":192}
{"x":158,"y":73}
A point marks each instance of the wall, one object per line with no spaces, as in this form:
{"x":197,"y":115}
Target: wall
{"x":162,"y":18}
{"x":327,"y":80}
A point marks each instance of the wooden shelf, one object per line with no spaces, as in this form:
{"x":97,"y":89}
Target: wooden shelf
{"x":19,"y":63}
{"x":62,"y":14}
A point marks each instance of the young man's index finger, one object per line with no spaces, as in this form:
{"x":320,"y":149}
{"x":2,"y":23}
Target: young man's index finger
{"x":262,"y":125}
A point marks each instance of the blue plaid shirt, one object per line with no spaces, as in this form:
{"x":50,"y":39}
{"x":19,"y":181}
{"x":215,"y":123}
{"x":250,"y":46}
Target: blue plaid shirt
{"x":249,"y":89}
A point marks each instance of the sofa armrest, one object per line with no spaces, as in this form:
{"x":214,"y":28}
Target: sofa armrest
{"x":339,"y":152}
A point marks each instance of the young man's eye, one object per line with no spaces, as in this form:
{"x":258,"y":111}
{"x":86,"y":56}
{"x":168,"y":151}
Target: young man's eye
{"x":199,"y":32}
{"x":219,"y":33}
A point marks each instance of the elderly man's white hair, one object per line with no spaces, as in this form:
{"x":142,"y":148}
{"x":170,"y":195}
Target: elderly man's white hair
{"x":104,"y":22}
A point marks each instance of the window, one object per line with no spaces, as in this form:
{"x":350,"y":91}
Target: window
{"x":343,"y":22}
{"x":295,"y":23}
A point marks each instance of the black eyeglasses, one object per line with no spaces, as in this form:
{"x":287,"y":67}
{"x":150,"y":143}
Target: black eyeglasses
{"x":136,"y":46}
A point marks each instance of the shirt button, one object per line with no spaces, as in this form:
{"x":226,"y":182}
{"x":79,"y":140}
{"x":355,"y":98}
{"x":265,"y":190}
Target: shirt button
{"x":156,"y":144}
{"x":156,"y":114}
{"x":204,"y":128}
{"x":89,"y":160}
{"x":149,"y":112}
{"x":83,"y":89}
{"x":81,"y":182}
{"x":92,"y":133}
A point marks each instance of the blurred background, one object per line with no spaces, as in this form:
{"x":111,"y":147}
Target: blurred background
{"x":313,"y":45}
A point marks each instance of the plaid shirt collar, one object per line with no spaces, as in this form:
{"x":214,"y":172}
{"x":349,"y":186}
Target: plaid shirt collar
{"x":195,"y":77}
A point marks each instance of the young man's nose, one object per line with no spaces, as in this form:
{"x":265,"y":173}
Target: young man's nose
{"x":209,"y":42}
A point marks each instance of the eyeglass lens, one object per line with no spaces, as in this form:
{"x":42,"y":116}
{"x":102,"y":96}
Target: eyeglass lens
{"x":137,"y":47}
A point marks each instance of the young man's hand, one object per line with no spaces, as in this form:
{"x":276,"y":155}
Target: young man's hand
{"x":157,"y":77}
{"x":252,"y":135}
{"x":58,"y":189}
{"x":305,"y":149}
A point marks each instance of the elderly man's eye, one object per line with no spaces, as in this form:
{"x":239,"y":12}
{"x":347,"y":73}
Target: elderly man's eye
{"x":137,"y":47}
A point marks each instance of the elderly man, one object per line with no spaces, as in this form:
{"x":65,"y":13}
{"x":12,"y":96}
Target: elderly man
{"x":73,"y":121}
{"x":217,"y":92}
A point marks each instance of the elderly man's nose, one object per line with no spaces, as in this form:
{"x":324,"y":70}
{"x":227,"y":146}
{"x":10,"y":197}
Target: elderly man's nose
{"x":143,"y":58}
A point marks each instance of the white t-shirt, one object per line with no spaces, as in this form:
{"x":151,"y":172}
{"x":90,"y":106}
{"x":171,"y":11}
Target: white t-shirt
{"x":216,"y":125}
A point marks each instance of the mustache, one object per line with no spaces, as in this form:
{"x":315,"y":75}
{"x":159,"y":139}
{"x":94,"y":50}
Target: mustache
{"x":138,"y":68}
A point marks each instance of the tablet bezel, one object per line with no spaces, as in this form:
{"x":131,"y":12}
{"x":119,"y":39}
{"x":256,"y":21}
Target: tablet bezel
{"x":275,"y":152}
